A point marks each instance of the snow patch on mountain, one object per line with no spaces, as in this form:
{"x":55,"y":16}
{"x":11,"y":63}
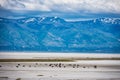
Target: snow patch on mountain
{"x":108,"y":20}
{"x":30,"y":20}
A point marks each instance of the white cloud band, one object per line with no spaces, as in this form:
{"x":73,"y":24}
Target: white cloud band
{"x":86,"y":6}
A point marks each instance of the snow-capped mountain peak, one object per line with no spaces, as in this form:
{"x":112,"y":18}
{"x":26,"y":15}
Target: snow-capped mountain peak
{"x":108,"y":20}
{"x":51,"y":19}
{"x":41,"y":20}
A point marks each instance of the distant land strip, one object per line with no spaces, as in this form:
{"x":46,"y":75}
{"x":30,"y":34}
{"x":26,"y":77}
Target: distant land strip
{"x":36,"y":60}
{"x":55,"y":60}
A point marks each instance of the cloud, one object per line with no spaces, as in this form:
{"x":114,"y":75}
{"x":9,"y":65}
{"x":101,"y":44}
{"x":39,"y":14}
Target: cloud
{"x":76,"y":6}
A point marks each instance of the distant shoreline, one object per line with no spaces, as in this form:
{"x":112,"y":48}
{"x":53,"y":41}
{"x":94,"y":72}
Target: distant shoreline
{"x":49,"y":52}
{"x":53,"y":57}
{"x":54,"y":60}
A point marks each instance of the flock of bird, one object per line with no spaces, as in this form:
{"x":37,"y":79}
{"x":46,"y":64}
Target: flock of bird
{"x":52,"y":65}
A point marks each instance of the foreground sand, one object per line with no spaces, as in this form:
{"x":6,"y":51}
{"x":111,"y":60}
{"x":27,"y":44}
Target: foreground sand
{"x":83,"y":67}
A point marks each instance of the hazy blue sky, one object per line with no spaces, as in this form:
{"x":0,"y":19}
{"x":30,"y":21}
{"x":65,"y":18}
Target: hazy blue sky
{"x":61,"y":8}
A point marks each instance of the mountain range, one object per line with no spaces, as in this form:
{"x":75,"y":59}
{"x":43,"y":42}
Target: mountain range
{"x":54,"y":34}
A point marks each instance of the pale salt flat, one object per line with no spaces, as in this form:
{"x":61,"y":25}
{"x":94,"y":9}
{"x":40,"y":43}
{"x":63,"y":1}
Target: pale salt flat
{"x":31,"y":55}
{"x":86,"y":69}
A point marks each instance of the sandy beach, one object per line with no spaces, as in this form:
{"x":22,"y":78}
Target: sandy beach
{"x":81,"y":67}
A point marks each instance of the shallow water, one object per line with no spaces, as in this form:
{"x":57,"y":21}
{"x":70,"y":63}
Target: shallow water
{"x":87,"y":70}
{"x":59,"y":75}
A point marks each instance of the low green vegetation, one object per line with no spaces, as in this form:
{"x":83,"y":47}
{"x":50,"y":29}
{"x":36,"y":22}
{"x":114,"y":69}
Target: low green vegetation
{"x":3,"y":77}
{"x":40,"y":75}
{"x":18,"y":79}
{"x":97,"y":59}
{"x":36,"y":60}
{"x":55,"y":60}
